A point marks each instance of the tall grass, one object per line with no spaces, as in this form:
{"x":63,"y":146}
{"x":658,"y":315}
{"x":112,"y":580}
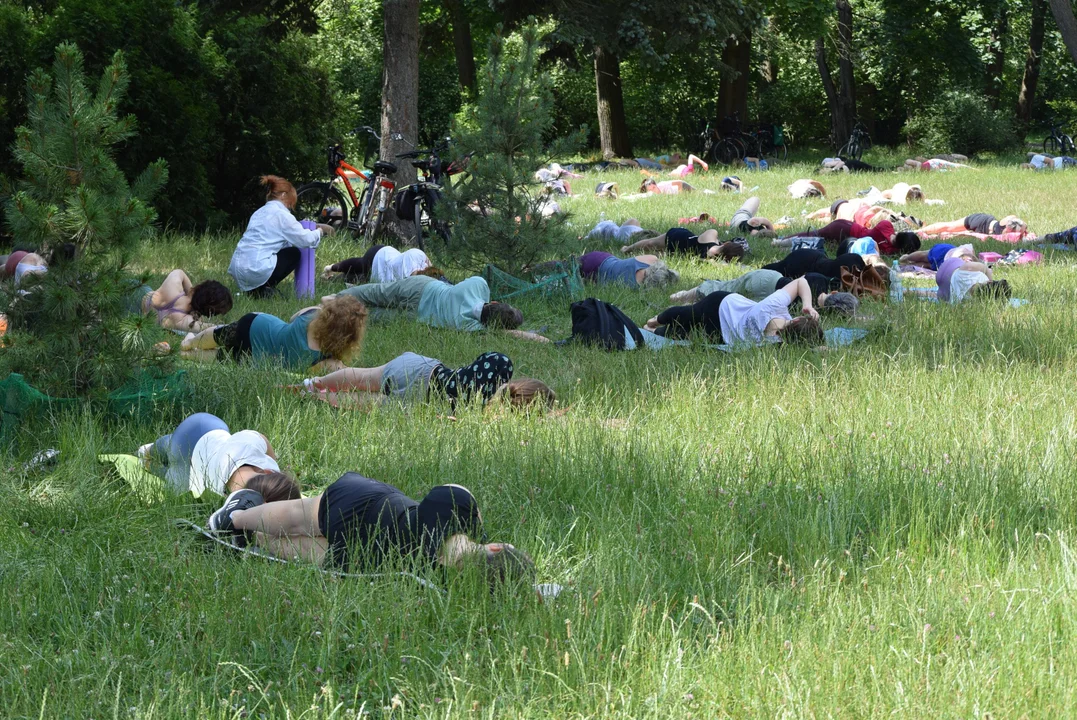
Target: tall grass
{"x":879,"y":530}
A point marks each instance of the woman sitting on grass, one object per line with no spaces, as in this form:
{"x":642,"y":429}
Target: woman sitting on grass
{"x":412,"y":377}
{"x":268,"y":252}
{"x":760,"y":284}
{"x":203,"y":454}
{"x":736,"y":320}
{"x":958,"y":278}
{"x":179,"y":305}
{"x":980,"y":223}
{"x":380,"y":264}
{"x":358,"y":524}
{"x":325,"y":336}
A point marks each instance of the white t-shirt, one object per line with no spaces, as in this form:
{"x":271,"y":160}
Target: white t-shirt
{"x":218,"y":454}
{"x":962,"y":281}
{"x":804,"y":188}
{"x":391,"y":265}
{"x":743,"y":321}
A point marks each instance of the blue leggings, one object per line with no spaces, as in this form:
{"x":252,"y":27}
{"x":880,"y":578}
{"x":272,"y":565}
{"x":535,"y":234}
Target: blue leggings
{"x":171,"y":455}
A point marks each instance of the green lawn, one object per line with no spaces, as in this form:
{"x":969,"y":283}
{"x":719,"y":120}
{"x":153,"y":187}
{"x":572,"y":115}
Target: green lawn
{"x":880,"y":530}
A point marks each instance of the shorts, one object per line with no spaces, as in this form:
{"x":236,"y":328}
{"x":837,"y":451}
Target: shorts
{"x":937,"y":254}
{"x":740,"y":220}
{"x":408,"y":375}
{"x":235,"y":338}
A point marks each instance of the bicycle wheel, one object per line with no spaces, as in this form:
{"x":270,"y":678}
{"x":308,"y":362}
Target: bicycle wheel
{"x":418,"y":231}
{"x":781,"y":152}
{"x":1067,"y":145}
{"x":1050,"y":145}
{"x":377,"y":207}
{"x":322,"y":203}
{"x":726,"y":152}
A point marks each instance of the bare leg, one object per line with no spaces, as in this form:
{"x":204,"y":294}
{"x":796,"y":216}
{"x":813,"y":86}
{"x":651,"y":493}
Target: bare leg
{"x":952,"y":226}
{"x":294,"y":547}
{"x":286,"y":517}
{"x":367,"y":379}
{"x":202,"y":341}
{"x":711,"y":235}
{"x":915,"y":258}
{"x":655,"y":243}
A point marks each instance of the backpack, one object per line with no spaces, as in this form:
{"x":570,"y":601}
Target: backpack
{"x":596,"y":322}
{"x":404,"y":202}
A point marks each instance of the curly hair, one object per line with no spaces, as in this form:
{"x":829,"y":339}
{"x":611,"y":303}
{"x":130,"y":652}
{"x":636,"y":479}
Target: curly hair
{"x":210,"y":298}
{"x":339,"y":327}
{"x":658,"y":274}
{"x":803,"y":330}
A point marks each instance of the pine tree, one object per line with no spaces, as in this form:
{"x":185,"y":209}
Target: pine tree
{"x":71,"y":328}
{"x":497,"y":212}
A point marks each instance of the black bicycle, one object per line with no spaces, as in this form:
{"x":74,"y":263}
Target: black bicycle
{"x":1058,"y":142}
{"x":325,"y":203}
{"x":416,"y":203}
{"x":859,"y":141}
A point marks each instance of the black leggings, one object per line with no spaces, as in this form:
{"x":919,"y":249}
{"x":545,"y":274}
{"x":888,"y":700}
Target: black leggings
{"x":679,"y":321}
{"x":358,"y":269}
{"x":234,"y":340}
{"x":287,"y":262}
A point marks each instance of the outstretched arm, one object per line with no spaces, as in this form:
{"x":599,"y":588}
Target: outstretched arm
{"x":655,"y":243}
{"x":528,"y":335}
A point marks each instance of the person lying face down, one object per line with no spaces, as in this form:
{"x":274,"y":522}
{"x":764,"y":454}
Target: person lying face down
{"x":641,"y":271}
{"x":736,"y":320}
{"x":981,"y":223}
{"x":413,"y":378}
{"x":381,"y":264}
{"x":758,"y":285}
{"x":359,"y":524}
{"x":934,"y":256}
{"x":180,"y":304}
{"x":801,"y":262}
{"x":681,"y":240}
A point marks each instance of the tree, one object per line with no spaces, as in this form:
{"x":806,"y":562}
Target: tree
{"x":841,"y":98}
{"x":1031,"y":77}
{"x":1067,"y":24}
{"x":462,"y":45}
{"x":499,"y":215}
{"x":400,"y":95}
{"x":68,"y":326}
{"x":612,"y":127}
{"x":733,"y":87}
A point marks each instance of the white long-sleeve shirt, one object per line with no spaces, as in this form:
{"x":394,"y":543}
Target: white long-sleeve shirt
{"x":271,"y":228}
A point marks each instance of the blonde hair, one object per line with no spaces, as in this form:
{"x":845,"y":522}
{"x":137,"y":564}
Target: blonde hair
{"x":339,"y":326}
{"x":526,"y":393}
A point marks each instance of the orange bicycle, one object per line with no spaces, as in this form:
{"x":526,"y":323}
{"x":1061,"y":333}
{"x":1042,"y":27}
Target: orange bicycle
{"x":323,"y":202}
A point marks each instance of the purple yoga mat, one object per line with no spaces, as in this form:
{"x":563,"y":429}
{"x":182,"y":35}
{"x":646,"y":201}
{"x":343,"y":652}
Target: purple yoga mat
{"x":304,"y":274}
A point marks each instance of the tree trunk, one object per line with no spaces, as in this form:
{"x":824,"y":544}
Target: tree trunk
{"x":733,"y":86}
{"x":847,"y":91}
{"x":1031,"y":78}
{"x":841,"y":125}
{"x":400,"y":96}
{"x":1067,"y":24}
{"x":461,"y":40}
{"x":612,"y":127}
{"x":997,"y":64}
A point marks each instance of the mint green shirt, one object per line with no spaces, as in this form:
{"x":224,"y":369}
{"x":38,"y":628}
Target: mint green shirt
{"x":455,"y":306}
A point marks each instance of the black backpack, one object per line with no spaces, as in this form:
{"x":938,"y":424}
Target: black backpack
{"x":596,"y":322}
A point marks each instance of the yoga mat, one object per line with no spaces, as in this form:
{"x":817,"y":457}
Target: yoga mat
{"x":304,"y":274}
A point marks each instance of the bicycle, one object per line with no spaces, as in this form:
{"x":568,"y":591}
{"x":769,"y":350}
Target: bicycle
{"x":1058,"y":142}
{"x":772,"y":141}
{"x":416,"y":202}
{"x":324,"y":202}
{"x":859,"y":141}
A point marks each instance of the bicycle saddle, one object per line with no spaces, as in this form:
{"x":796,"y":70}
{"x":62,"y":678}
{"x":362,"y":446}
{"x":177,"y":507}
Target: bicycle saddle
{"x":384,"y":168}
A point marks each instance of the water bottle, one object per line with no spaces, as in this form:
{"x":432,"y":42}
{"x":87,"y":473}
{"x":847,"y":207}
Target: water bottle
{"x":897,"y":293}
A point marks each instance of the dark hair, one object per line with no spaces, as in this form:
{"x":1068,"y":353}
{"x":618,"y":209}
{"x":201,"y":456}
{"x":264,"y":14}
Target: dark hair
{"x":275,"y":486}
{"x":841,"y":303}
{"x":62,"y":253}
{"x":907,"y":242}
{"x":730,"y":251}
{"x":803,"y":330}
{"x":508,"y":564}
{"x":993,"y":290}
{"x":501,"y":315}
{"x":210,"y":298}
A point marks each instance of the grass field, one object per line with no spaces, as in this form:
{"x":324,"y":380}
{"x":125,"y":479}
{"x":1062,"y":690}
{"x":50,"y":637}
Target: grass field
{"x":881,"y":530}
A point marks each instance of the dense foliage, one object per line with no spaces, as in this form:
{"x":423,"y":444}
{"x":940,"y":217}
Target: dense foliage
{"x":227,"y":90}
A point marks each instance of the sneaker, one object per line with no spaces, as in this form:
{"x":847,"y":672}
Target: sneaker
{"x":221,"y":521}
{"x":143,"y":454}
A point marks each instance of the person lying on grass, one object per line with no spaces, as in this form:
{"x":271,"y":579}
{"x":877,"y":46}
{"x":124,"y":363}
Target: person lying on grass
{"x":666,"y":187}
{"x":958,"y":278}
{"x":1046,"y":162}
{"x":413,"y":378}
{"x":203,"y":454}
{"x":758,"y":285}
{"x":736,"y":320}
{"x":464,"y":306}
{"x":324,"y":336}
{"x":863,"y":213}
{"x":681,"y":240}
{"x":600,"y":267}
{"x":611,"y":232}
{"x":358,"y":524}
{"x":801,"y":262}
{"x":180,"y":305}
{"x":981,"y":223}
{"x":934,"y":256}
{"x":380,"y":264}
{"x":840,"y":231}
{"x":935,"y":163}
{"x":268,"y":252}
